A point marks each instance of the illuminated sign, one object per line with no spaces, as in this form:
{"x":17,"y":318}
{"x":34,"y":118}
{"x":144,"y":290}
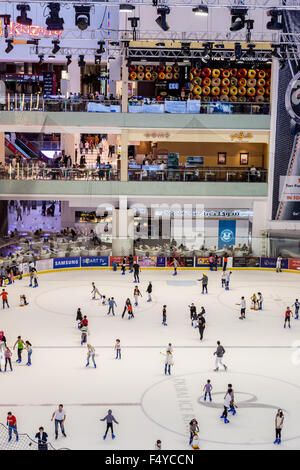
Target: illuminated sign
{"x":241,"y":136}
{"x":17,"y":29}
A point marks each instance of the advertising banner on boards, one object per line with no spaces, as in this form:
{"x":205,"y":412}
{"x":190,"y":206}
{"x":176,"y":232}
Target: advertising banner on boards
{"x":94,"y":261}
{"x":61,"y":263}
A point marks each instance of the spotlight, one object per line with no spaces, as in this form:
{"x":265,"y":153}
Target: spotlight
{"x":238,"y":18}
{"x":251,"y":52}
{"x":201,"y":10}
{"x":23,"y":18}
{"x":101,"y":49}
{"x":186,"y":47}
{"x":274,"y":23}
{"x":56,"y":46}
{"x":82,"y":16}
{"x":97,"y":59}
{"x":237,"y":51}
{"x":275,"y":52}
{"x":161,"y":20}
{"x":69,"y":60}
{"x":249,"y":25}
{"x":81,"y":61}
{"x":207,"y":50}
{"x":134,"y":23}
{"x":41,"y":59}
{"x":154,"y":3}
{"x":9,"y":46}
{"x":53,"y":21}
{"x":126,"y":8}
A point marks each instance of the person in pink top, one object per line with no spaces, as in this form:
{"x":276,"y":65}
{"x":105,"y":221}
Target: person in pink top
{"x":8,"y":355}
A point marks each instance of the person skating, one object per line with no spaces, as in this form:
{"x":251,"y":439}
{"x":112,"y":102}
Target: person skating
{"x":110,"y":419}
{"x":136,"y":295}
{"x":95,"y":291}
{"x":79,"y":317}
{"x":194,"y":427}
{"x":84,"y":334}
{"x":123,"y":267}
{"x":220,"y":351}
{"x":23,"y":300}
{"x":28,"y":347}
{"x":223,"y":279}
{"x":204,"y":281}
{"x":287,"y":318}
{"x":118,"y":349}
{"x":254,"y":302}
{"x":11,"y":423}
{"x":175,"y":266}
{"x":127,"y":303}
{"x":193,"y":311}
{"x":130,"y":262}
{"x":130,"y":312}
{"x":225,"y":260}
{"x":260,"y":300}
{"x":4,"y":296}
{"x":149,"y":291}
{"x":201,"y":325}
{"x":227,"y":279}
{"x":233,"y":406}
{"x":59,"y":416}
{"x":207,"y":390}
{"x":136,"y":272}
{"x":91,"y":354}
{"x":278,"y":264}
{"x":8,"y":356}
{"x":195,"y":320}
{"x":112,"y":304}
{"x":297,"y":306}
{"x":42,"y":438}
{"x":84,"y":322}
{"x":169,"y":360}
{"x":164,"y":316}
{"x":35,"y":278}
{"x":227,"y":401}
{"x":21,"y":345}
{"x":279,"y":420}
{"x":243,"y":308}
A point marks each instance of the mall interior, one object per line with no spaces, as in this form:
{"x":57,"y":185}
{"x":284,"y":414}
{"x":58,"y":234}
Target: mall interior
{"x":125,"y":131}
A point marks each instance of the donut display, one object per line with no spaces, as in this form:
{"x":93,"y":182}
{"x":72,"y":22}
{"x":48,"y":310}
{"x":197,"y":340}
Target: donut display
{"x":242,"y":82}
{"x":206,"y":72}
{"x":242,"y":91}
{"x":225,"y":82}
{"x":140,"y":76}
{"x":216,"y":82}
{"x":215,"y":91}
{"x":216,"y":73}
{"x":206,"y":90}
{"x":206,"y":81}
{"x":261,"y":82}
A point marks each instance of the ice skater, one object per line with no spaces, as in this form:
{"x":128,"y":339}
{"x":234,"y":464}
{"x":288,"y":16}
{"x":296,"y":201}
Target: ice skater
{"x":227,"y":279}
{"x":194,"y":320}
{"x":220,"y":351}
{"x":233,"y":406}
{"x":149,"y":292}
{"x":243,"y":308}
{"x":193,"y":311}
{"x":287,"y":317}
{"x":21,"y":344}
{"x":79,"y":317}
{"x":169,"y":360}
{"x":175,"y":266}
{"x":278,"y":264}
{"x":227,"y":402}
{"x":112,"y":304}
{"x":127,"y":303}
{"x":90,"y":354}
{"x":7,"y":356}
{"x":4,"y":296}
{"x":279,"y":419}
{"x":223,"y":279}
{"x":118,"y":349}
{"x":136,"y":295}
{"x":23,"y":300}
{"x":28,"y":347}
{"x":11,"y":423}
{"x":30,"y":277}
{"x":35,"y":278}
{"x":95,"y":291}
{"x":260,"y":300}
{"x":297,"y":306}
{"x":123,"y":267}
{"x":130,"y":312}
{"x":109,"y":418}
{"x":204,"y":281}
{"x":164,"y":316}
{"x":194,"y":428}
{"x":84,"y":334}
{"x":201,"y":325}
{"x":136,"y":272}
{"x":254,"y":302}
{"x":208,"y":389}
{"x":59,"y":416}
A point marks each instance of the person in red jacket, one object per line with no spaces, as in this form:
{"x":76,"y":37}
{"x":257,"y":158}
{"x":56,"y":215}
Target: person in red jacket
{"x":287,"y":318}
{"x":12,"y":426}
{"x":84,"y":321}
{"x":4,"y":296}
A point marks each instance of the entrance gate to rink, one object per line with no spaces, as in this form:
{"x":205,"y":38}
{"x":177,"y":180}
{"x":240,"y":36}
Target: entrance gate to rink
{"x":25,"y":441}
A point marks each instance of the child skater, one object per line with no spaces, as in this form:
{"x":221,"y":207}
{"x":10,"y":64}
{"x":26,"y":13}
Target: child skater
{"x":287,"y":318}
{"x":118,"y":349}
{"x":136,"y":295}
{"x":130,"y":312}
{"x":227,"y":279}
{"x":259,"y":300}
{"x":123,"y":267}
{"x":254,"y":302}
{"x":164,"y":315}
{"x":194,"y":428}
{"x":95,"y":291}
{"x":23,"y":300}
{"x":207,"y":389}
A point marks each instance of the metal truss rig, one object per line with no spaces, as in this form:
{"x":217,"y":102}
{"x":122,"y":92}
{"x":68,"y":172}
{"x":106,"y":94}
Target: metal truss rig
{"x":255,"y":4}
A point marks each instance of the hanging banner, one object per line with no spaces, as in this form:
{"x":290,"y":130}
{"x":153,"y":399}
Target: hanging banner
{"x":227,"y":231}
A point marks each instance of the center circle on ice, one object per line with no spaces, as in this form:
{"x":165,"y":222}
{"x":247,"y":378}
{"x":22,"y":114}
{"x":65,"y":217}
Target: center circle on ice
{"x":172,"y":402}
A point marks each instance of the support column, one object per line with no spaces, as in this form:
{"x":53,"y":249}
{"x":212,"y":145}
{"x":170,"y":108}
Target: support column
{"x":70,"y":143}
{"x":124,"y":155}
{"x":260,"y":223}
{"x":2,"y":147}
{"x":123,"y":229}
{"x":73,"y":83}
{"x":124,"y":85}
{"x":114,"y":75}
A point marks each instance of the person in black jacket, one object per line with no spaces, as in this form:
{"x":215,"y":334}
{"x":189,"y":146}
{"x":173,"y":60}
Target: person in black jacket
{"x":201,"y":325}
{"x":130,"y":262}
{"x":136,"y":269}
{"x":42,"y":438}
{"x":204,"y":280}
{"x":149,"y":291}
{"x":128,"y":302}
{"x":193,"y":310}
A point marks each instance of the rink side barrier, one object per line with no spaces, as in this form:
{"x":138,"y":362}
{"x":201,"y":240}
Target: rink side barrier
{"x":160,"y":262}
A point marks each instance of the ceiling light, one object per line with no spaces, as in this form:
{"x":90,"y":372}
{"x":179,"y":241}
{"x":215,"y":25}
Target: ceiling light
{"x":9,"y":46}
{"x":207,"y":50}
{"x":274,"y":23}
{"x":53,"y":21}
{"x":82,"y":16}
{"x":126,"y":8}
{"x":23,"y":18}
{"x":69,"y":59}
{"x":97,"y":59}
{"x":134,"y":23}
{"x":201,"y":10}
{"x":81,"y":61}
{"x":56,"y":46}
{"x":238,"y":18}
{"x":161,"y":20}
{"x":41,"y":59}
{"x":101,"y":49}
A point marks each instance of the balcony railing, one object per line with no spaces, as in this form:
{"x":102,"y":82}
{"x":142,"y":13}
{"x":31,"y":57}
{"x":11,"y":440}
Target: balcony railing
{"x":34,"y":172}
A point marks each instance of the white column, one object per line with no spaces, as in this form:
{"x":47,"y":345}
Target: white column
{"x":259,"y":224}
{"x":124,"y":85}
{"x":2,"y":147}
{"x":124,"y":155}
{"x":123,"y":229}
{"x":69,"y":143}
{"x":114,"y":74}
{"x":72,"y":84}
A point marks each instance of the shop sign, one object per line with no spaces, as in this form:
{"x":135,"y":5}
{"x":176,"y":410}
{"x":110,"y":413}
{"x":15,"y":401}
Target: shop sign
{"x":157,"y":135}
{"x":241,"y":136}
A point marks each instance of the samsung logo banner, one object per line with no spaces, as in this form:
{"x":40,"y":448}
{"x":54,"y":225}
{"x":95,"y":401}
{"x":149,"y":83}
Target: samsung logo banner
{"x":59,"y":263}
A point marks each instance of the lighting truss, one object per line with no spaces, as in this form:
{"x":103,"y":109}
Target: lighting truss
{"x":74,"y":51}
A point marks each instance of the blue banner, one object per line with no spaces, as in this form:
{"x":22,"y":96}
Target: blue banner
{"x":161,"y":262}
{"x":94,"y":261}
{"x":59,"y":263}
{"x":227,"y":231}
{"x":271,"y":263}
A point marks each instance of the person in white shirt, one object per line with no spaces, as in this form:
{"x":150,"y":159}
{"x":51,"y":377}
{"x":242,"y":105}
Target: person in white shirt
{"x":278,"y":264}
{"x":60,"y":418}
{"x":279,"y":419}
{"x":243,"y":308}
{"x":227,"y":404}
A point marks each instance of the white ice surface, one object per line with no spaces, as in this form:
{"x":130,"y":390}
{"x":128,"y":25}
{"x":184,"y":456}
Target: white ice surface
{"x":147,"y":404}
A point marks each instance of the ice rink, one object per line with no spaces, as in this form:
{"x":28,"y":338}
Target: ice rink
{"x":263,"y":364}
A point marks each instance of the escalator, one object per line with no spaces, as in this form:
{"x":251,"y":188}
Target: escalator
{"x":15,"y":149}
{"x":29,"y":149}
